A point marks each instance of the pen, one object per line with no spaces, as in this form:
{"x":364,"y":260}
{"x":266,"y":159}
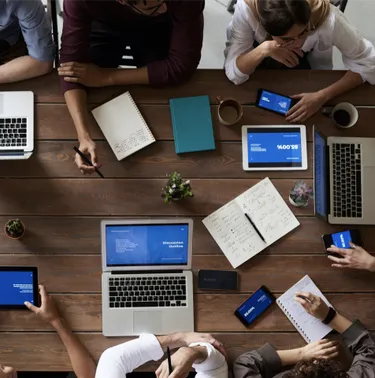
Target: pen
{"x":303,"y":297}
{"x":169,"y":361}
{"x":87,"y":161}
{"x":255,"y":227}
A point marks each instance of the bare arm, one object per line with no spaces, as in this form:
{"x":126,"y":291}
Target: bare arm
{"x":248,"y":62}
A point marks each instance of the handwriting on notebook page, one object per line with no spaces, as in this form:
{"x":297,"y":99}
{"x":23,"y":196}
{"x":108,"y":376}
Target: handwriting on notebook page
{"x":132,"y":142}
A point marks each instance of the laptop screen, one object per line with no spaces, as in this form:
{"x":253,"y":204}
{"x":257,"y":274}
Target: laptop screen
{"x":147,"y":244}
{"x":320,"y":175}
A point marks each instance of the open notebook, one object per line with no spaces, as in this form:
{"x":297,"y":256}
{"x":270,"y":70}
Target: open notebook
{"x":310,"y":328}
{"x":233,"y":231}
{"x":123,"y":126}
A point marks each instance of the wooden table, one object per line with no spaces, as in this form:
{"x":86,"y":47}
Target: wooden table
{"x":62,"y":211}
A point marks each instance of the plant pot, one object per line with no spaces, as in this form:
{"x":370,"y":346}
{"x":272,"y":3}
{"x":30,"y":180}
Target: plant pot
{"x":12,"y":237}
{"x":297,"y":204}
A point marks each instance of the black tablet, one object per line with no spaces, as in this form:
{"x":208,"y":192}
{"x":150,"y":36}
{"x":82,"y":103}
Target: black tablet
{"x":18,"y":285}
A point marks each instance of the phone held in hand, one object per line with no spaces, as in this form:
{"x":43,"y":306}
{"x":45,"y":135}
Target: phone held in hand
{"x":342,"y":240}
{"x":255,"y":306}
{"x":274,"y":102}
{"x":218,"y":279}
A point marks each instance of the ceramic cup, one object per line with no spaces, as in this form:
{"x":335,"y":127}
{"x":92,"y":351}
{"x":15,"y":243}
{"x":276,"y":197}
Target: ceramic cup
{"x":344,"y":115}
{"x":229,"y":111}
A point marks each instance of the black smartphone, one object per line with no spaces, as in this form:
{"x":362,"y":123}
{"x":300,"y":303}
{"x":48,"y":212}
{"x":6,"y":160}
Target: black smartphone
{"x":218,"y":279}
{"x":342,"y":240}
{"x":255,"y":306}
{"x":274,"y":102}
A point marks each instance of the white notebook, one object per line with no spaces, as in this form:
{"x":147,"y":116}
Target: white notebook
{"x":123,"y":126}
{"x":234,"y":233}
{"x":310,"y":328}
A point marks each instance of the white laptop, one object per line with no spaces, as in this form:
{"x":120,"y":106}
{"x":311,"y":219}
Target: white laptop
{"x":147,"y":283}
{"x":344,"y":179}
{"x":16,"y":125}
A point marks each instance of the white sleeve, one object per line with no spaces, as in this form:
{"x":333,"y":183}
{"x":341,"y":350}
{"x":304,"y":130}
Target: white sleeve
{"x":214,"y":366}
{"x":122,"y":359}
{"x":240,"y":40}
{"x":358,"y":54}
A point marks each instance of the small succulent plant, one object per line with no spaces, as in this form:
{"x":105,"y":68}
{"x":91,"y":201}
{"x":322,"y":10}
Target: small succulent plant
{"x":176,"y":188}
{"x":301,"y":193}
{"x":14,"y":228}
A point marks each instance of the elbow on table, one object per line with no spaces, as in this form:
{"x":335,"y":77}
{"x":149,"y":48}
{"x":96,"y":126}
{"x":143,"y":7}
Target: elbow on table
{"x":44,"y":67}
{"x":234,"y":75}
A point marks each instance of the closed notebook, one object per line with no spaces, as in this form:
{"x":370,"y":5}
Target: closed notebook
{"x":310,"y":328}
{"x":123,"y":126}
{"x":192,"y":124}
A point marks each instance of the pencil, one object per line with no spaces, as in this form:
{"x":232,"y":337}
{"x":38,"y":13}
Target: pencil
{"x":87,"y":161}
{"x":169,"y":361}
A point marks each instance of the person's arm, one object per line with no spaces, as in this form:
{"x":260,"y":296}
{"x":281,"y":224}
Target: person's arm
{"x":82,"y":363}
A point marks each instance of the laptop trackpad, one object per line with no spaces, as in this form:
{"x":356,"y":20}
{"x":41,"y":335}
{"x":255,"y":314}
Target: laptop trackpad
{"x":149,"y":322}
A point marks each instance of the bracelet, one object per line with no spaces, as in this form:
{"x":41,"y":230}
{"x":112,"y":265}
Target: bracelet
{"x":330,"y":316}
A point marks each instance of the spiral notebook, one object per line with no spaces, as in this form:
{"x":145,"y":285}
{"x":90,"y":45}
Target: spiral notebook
{"x":123,"y":126}
{"x":310,"y":328}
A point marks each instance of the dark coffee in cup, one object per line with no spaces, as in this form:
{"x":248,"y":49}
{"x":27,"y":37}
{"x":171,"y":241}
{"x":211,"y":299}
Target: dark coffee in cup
{"x":342,"y":117}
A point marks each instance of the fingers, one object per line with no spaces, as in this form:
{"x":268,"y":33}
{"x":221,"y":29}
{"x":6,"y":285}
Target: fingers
{"x":297,"y":114}
{"x":297,"y":96}
{"x":298,"y":52}
{"x":341,"y":251}
{"x":338,"y":260}
{"x":339,"y":266}
{"x":93,"y":156}
{"x":43,"y":292}
{"x":85,"y":169}
{"x":31,"y":307}
{"x":294,"y":109}
{"x":73,"y":79}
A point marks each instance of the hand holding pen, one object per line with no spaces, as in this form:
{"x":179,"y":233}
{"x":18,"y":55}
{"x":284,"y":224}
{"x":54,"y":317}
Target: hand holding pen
{"x":84,"y":164}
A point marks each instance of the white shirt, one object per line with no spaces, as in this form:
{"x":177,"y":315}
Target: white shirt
{"x":358,"y":54}
{"x":117,"y":361}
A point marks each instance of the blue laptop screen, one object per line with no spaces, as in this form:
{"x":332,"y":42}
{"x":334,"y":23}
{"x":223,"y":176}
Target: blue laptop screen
{"x":147,"y":244}
{"x":320,"y":175}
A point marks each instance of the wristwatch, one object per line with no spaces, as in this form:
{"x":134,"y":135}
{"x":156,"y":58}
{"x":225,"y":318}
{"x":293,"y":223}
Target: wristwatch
{"x":330,"y":316}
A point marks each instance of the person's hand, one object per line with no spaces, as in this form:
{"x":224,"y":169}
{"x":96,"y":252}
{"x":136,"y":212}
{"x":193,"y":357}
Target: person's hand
{"x":307,"y":106}
{"x":48,"y":310}
{"x":284,"y":55}
{"x":355,"y":258}
{"x":314,"y":305}
{"x":195,"y":337}
{"x":182,"y":362}
{"x":7,"y":372}
{"x":87,"y":146}
{"x":324,"y":349}
{"x":87,"y":74}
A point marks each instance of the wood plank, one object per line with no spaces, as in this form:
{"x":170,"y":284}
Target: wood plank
{"x":56,"y":160}
{"x":83,"y":313}
{"x":208,"y":82}
{"x":45,"y":352}
{"x":95,"y":196}
{"x":54,"y":122}
{"x":81,"y":274}
{"x":73,"y":235}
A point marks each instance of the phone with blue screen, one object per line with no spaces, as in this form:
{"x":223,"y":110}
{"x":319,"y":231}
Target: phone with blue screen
{"x":342,"y":240}
{"x":274,"y":102}
{"x":255,"y":306}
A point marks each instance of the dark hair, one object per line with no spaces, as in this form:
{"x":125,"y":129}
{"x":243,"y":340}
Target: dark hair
{"x":316,"y":369}
{"x":278,"y":16}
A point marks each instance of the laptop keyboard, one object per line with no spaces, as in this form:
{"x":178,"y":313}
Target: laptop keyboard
{"x":347,"y":180}
{"x":157,"y":291}
{"x":13,"y":132}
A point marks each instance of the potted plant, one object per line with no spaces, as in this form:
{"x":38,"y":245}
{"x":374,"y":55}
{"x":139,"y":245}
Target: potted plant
{"x":300,"y":194}
{"x":14,"y":228}
{"x":176,"y":188}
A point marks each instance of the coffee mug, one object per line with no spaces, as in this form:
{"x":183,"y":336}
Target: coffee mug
{"x":229,"y":111}
{"x":344,"y":115}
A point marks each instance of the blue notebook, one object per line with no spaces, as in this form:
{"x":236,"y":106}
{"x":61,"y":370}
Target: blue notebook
{"x":192,"y":124}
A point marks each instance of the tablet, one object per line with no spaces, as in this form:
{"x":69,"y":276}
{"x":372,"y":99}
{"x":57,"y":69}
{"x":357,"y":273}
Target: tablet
{"x":274,"y":148}
{"x":18,"y":284}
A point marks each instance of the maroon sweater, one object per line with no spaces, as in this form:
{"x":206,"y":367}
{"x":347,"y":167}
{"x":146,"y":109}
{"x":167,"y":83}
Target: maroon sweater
{"x":185,"y":45}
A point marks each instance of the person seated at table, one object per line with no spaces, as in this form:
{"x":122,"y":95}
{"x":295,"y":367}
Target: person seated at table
{"x":199,"y":351}
{"x":26,"y":46}
{"x":165,"y":39}
{"x":82,"y":363}
{"x":297,"y":34}
{"x":355,"y":258}
{"x":316,"y":360}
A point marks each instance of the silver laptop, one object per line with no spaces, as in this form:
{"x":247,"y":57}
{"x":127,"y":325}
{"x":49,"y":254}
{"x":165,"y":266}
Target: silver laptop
{"x":147,"y":284}
{"x":16,"y":125}
{"x":344,"y":179}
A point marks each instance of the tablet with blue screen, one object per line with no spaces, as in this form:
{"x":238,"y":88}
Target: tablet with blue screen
{"x":18,"y":285}
{"x":274,"y":148}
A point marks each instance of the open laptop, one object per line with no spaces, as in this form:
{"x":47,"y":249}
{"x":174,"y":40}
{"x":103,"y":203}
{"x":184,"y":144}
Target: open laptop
{"x":16,"y":125}
{"x":147,"y":284}
{"x":344,"y":179}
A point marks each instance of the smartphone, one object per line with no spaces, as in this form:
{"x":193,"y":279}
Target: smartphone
{"x":274,"y":102}
{"x":218,"y":279}
{"x":342,"y":240}
{"x":255,"y":306}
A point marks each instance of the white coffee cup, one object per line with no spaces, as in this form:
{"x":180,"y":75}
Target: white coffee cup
{"x":345,"y":115}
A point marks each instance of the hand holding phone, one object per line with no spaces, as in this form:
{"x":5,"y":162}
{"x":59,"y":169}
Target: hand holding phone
{"x":274,"y":102}
{"x":341,"y":240}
